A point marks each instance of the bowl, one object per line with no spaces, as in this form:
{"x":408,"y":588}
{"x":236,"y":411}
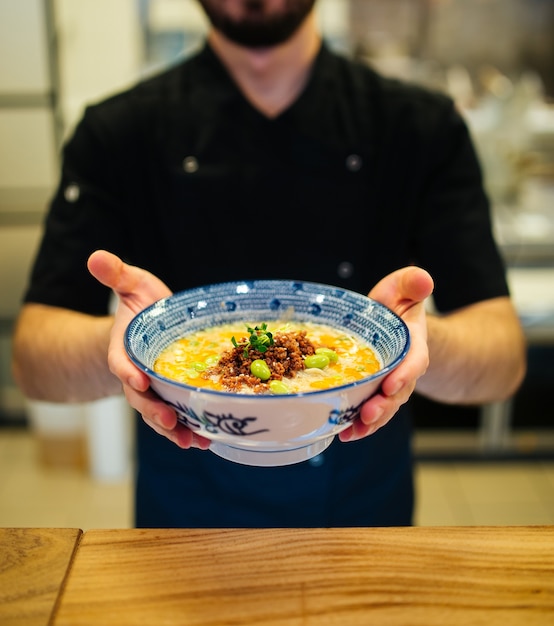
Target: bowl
{"x":255,"y":429}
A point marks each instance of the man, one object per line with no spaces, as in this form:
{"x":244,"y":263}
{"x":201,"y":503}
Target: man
{"x":267,"y":156}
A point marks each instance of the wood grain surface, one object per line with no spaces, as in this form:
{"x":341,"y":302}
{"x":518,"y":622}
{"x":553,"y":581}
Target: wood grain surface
{"x":308,"y":577}
{"x":33,"y":565}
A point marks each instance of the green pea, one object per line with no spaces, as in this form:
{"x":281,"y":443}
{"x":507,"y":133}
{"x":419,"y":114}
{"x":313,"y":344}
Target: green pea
{"x":199,"y":367}
{"x":331,"y":354}
{"x":260,"y":369}
{"x":278,"y":387}
{"x":321,"y":361}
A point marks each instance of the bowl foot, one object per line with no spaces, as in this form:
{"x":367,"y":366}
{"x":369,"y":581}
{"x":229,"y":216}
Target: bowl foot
{"x":270,"y":458}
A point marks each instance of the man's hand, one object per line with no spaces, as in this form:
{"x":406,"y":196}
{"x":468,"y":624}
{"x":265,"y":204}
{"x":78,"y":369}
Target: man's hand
{"x":404,"y":292}
{"x":136,"y":289}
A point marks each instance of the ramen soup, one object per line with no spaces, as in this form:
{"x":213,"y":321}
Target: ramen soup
{"x":291,"y":357}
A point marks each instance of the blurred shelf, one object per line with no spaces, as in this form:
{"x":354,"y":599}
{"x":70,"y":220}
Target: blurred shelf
{"x":467,"y":445}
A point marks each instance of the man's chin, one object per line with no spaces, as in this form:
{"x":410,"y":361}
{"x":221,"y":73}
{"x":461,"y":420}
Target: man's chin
{"x":259,"y":31}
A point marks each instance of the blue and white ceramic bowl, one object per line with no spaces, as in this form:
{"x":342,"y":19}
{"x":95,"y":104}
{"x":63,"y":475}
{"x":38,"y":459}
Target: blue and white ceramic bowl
{"x":266,"y":430}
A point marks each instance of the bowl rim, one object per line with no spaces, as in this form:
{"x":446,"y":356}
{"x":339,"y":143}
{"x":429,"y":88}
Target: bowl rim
{"x":263,"y":397}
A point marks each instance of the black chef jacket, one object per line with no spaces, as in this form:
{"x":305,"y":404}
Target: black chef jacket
{"x":360,"y":176}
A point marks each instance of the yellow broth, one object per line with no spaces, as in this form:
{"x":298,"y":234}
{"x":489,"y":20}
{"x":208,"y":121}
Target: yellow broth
{"x":188,"y":359}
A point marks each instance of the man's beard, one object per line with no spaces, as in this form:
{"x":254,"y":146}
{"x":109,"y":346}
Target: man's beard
{"x":256,"y":30}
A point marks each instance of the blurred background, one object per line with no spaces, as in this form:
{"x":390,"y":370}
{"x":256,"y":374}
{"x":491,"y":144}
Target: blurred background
{"x":72,"y":465}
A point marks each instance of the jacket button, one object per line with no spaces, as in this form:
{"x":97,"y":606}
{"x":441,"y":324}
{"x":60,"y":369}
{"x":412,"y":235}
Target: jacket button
{"x":354,"y":162}
{"x":190,"y":164}
{"x":345,"y":269}
{"x":72,"y":192}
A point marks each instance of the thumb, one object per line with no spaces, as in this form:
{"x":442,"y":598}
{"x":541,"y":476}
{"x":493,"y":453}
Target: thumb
{"x":127,"y":281}
{"x":401,"y":289}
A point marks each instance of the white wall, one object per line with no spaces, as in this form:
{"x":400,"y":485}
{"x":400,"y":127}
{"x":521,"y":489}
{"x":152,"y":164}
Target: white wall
{"x":24,"y":67}
{"x":27,"y":144}
{"x":99,"y":52}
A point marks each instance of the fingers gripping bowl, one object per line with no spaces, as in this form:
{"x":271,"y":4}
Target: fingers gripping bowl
{"x":266,"y":429}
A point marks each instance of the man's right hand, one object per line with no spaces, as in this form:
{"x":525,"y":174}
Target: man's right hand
{"x":136,"y":289}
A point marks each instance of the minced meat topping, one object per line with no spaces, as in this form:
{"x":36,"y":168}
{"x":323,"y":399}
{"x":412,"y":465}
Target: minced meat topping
{"x":284,"y":359}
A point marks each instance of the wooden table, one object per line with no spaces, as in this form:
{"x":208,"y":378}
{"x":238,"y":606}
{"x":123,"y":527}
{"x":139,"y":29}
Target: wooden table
{"x":307,"y":577}
{"x":33,"y":566}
